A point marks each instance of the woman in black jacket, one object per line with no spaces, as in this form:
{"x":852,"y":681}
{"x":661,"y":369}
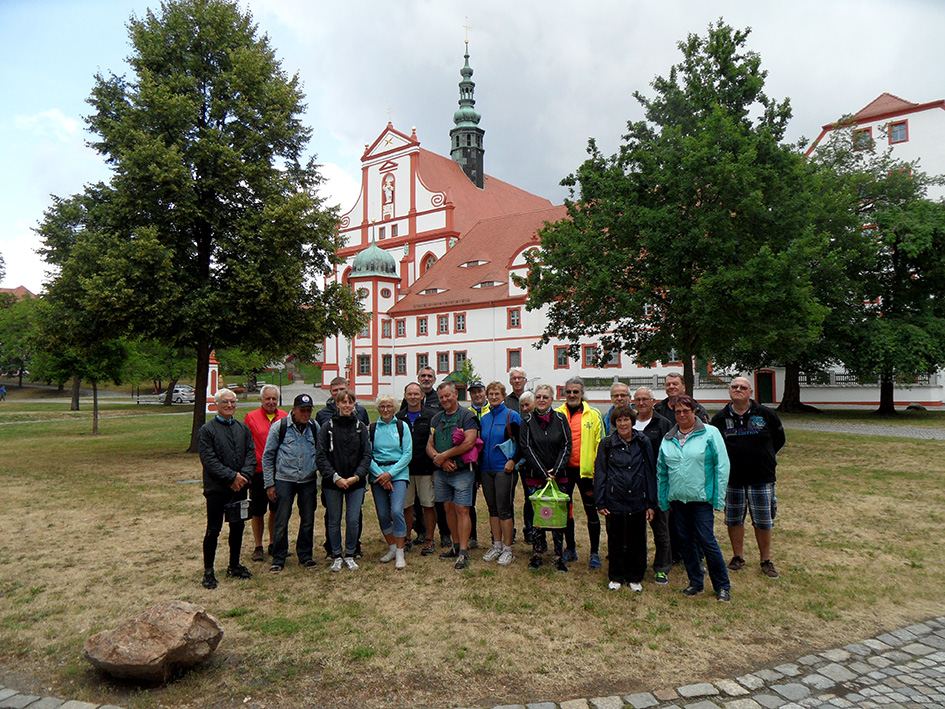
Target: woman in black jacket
{"x":344,"y":460}
{"x":625,"y":494}
{"x":545,"y":446}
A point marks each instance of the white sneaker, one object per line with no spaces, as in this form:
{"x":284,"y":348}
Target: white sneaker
{"x":336,"y":564}
{"x":494,"y":552}
{"x":389,"y":556}
{"x":636,"y":587}
{"x":614,"y":585}
{"x":351,"y":563}
{"x":401,"y":562}
{"x":506,"y":557}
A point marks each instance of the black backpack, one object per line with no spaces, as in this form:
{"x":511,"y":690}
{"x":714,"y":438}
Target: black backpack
{"x":400,"y":431}
{"x":284,"y":426}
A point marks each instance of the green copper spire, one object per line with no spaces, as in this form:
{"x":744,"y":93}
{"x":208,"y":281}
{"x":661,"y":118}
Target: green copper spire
{"x":466,"y":138}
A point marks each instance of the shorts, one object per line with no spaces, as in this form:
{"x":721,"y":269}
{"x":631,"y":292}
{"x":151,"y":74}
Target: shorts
{"x":455,"y":487}
{"x":259,"y":501}
{"x":420,"y":486}
{"x":758,"y":500}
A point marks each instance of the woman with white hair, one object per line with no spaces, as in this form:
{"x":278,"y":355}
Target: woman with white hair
{"x":392,"y":444}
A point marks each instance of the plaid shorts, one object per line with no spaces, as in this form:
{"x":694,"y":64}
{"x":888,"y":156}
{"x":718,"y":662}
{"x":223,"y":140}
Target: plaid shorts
{"x":758,"y":500}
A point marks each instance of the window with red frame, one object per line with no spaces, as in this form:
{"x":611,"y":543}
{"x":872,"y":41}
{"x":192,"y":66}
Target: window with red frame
{"x":459,"y":322}
{"x":515,"y":318}
{"x":421,"y":326}
{"x":562,"y":361}
{"x":443,"y":324}
{"x":442,"y":362}
{"x":898,"y":132}
{"x":514,"y":358}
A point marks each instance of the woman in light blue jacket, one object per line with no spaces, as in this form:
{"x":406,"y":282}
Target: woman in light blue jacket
{"x":691,"y":479}
{"x":392,"y":443}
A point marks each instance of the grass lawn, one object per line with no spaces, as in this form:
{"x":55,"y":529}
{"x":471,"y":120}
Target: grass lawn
{"x":98,"y":528}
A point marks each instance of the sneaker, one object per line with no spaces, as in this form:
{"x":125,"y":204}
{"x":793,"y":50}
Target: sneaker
{"x":429,"y":547}
{"x":452,"y":553}
{"x":209,"y":579}
{"x":660,"y":578}
{"x":506,"y":557}
{"x":351,"y":563}
{"x":638,"y":587}
{"x":691,"y":590}
{"x":389,"y":556}
{"x":614,"y":585}
{"x":275,"y":569}
{"x":724,"y":596}
{"x":736,"y":563}
{"x":494,"y":553}
{"x":238,"y":572}
{"x":560,"y":566}
{"x":446,"y":541}
{"x":569,"y":555}
{"x":767,"y":568}
{"x":535,"y":562}
{"x":400,"y":562}
{"x":336,"y":564}
{"x":473,"y":543}
{"x":310,"y":564}
{"x":594,"y":563}
{"x":258,"y":554}
{"x":462,"y":561}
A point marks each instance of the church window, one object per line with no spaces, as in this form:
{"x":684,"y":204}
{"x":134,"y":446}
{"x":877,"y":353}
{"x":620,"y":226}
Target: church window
{"x":428,"y":262}
{"x":364,"y":364}
{"x":515,"y":317}
{"x":393,"y":231}
{"x":899,"y":132}
{"x":386,"y":364}
{"x":401,"y":362}
{"x":385,"y":292}
{"x":383,"y":233}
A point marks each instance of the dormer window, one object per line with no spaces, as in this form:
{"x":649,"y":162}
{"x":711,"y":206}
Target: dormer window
{"x":432,"y":291}
{"x":473,"y":263}
{"x":488,"y":284}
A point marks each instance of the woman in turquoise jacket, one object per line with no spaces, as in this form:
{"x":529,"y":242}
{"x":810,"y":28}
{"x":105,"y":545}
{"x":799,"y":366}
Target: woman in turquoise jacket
{"x":691,"y":479}
{"x":392,"y":445}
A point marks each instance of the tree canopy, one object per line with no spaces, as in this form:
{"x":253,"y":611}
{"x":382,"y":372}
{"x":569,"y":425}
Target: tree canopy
{"x":210,"y":232}
{"x":693,"y":236}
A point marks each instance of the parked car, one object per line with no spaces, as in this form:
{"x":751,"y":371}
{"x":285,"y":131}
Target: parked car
{"x":183,"y":394}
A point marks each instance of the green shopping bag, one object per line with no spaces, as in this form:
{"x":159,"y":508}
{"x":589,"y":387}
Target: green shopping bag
{"x":550,"y":506}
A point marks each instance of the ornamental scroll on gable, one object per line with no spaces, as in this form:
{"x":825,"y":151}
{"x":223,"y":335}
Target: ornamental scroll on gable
{"x":387,"y":196}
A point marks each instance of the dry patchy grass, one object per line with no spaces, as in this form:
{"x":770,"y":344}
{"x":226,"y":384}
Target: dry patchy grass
{"x":97,"y":529}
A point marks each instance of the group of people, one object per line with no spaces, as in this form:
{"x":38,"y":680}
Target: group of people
{"x":644,"y":463}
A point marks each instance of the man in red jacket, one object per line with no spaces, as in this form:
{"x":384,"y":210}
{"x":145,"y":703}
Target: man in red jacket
{"x":259,"y":420}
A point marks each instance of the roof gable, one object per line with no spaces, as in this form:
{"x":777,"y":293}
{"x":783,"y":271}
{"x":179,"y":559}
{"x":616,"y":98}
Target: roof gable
{"x":882,"y":105}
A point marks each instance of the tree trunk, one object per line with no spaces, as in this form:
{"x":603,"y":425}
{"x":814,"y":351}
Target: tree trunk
{"x":21,"y":376}
{"x":887,"y":396}
{"x":169,"y":395}
{"x":791,"y":397}
{"x":94,"y":408}
{"x":76,"y":385}
{"x":689,"y":377}
{"x":200,"y":393}
{"x":61,"y":387}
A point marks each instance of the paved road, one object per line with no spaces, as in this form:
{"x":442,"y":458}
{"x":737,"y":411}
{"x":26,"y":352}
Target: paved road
{"x":869,"y":429}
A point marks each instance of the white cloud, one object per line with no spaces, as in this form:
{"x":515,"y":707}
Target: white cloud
{"x":49,"y":124}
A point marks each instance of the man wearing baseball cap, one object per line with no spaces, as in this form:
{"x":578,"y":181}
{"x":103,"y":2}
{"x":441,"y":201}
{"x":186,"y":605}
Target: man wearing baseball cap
{"x":288,"y":472}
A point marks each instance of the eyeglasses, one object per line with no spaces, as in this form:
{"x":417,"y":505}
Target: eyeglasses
{"x":227,"y":402}
{"x":573,"y":391}
{"x":643,"y":398}
{"x":683,"y":412}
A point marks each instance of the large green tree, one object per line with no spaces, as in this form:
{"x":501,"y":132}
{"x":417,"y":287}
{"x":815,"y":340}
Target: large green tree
{"x":891,"y":327}
{"x":693,"y":235}
{"x":212,"y":232}
{"x":17,"y":336}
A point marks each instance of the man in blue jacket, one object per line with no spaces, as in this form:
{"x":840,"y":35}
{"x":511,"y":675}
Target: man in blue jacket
{"x":288,"y":464}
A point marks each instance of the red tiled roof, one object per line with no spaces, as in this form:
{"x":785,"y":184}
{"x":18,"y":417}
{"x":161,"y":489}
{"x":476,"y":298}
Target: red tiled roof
{"x":471,"y":203}
{"x":883,"y":104}
{"x":496,"y":241}
{"x":20,"y":292}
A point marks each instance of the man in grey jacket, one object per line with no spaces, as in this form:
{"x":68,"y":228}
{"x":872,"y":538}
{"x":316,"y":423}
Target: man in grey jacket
{"x":288,"y":464}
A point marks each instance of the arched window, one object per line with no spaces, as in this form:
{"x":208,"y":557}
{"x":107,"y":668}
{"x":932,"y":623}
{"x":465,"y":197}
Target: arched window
{"x":428,"y":262}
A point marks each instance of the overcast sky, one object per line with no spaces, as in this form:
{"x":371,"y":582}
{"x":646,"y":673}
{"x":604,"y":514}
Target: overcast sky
{"x":549,"y":74}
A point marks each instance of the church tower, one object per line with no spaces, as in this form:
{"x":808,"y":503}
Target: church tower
{"x":466,"y":138}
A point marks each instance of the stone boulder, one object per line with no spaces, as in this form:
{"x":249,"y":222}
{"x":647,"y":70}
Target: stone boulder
{"x":167,"y":637}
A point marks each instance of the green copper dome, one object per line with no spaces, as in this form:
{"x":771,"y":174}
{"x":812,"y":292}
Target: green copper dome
{"x":374,"y":261}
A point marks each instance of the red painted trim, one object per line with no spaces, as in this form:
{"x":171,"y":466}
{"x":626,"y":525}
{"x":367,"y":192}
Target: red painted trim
{"x":397,"y":359}
{"x":440,"y":319}
{"x":584,"y":350}
{"x":774,"y":383}
{"x":388,"y":325}
{"x":508,"y":318}
{"x":456,"y":324}
{"x":859,"y":131}
{"x":419,"y":364}
{"x":455,"y":363}
{"x":427,"y":327}
{"x":397,"y":323}
{"x":508,"y":358}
